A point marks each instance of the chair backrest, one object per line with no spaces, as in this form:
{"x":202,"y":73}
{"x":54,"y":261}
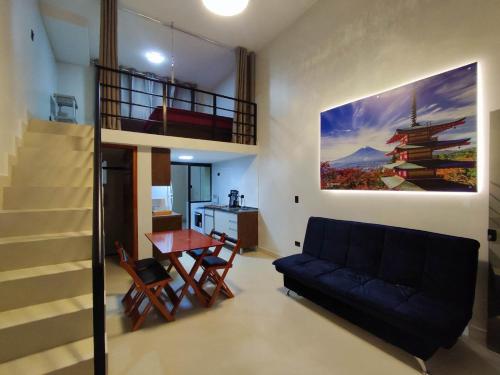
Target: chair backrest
{"x":124,"y":257}
{"x":126,"y":262}
{"x":220,"y":237}
{"x":236,"y":248}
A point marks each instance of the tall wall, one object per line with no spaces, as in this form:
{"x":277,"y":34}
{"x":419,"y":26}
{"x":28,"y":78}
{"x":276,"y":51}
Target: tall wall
{"x":27,"y":71}
{"x":226,"y":87}
{"x":340,"y":51}
{"x":240,"y":174}
{"x":78,"y":81}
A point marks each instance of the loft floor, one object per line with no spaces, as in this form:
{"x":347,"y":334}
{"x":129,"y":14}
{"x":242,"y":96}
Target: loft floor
{"x":262,"y":331}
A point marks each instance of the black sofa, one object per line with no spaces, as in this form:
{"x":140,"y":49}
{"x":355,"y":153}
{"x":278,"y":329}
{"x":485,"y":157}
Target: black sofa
{"x":412,"y":288}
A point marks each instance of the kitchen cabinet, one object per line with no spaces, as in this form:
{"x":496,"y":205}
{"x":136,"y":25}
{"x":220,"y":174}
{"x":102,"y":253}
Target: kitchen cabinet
{"x":162,"y":223}
{"x":242,"y":225}
{"x":160,"y":166}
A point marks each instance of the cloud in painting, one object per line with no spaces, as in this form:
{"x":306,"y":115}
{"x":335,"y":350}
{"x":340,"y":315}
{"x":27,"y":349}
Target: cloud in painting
{"x":373,"y":120}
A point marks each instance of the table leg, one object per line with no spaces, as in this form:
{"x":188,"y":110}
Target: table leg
{"x":189,"y":281}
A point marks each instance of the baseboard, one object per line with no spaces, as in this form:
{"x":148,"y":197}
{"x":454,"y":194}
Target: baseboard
{"x":269,"y":252}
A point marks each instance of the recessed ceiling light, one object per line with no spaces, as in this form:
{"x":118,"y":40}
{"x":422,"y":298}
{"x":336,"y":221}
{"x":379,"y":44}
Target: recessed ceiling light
{"x":185,"y":157}
{"x":226,"y":8}
{"x":155,"y":57}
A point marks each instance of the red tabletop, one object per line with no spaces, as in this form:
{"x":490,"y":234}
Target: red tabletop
{"x":176,"y":241}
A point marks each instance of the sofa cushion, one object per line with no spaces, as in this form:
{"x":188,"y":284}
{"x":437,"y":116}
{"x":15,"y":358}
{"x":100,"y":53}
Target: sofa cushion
{"x":450,"y":268}
{"x":429,"y":316}
{"x":366,"y":245}
{"x":403,"y":257}
{"x":336,"y":240}
{"x":341,"y":281}
{"x":382,"y":295}
{"x":286,"y":263}
{"x":313,"y":240}
{"x":306,"y":271}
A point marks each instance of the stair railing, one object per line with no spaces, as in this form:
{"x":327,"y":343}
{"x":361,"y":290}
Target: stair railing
{"x":98,"y":292}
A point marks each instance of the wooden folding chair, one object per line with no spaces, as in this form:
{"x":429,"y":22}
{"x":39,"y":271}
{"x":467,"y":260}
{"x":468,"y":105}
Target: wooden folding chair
{"x":196,"y":253}
{"x":148,"y":284}
{"x":211,"y":265}
{"x":138,"y":265}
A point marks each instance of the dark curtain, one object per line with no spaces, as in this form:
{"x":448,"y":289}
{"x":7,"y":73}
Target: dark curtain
{"x":243,"y":130}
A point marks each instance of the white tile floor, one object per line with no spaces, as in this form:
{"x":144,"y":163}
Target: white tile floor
{"x":262,"y":331}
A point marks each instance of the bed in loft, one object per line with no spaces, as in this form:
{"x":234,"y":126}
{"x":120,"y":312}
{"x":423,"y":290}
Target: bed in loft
{"x":183,"y":123}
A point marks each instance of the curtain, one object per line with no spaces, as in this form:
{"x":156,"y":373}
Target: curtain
{"x":245,"y":90}
{"x":142,"y":103}
{"x":108,"y":57}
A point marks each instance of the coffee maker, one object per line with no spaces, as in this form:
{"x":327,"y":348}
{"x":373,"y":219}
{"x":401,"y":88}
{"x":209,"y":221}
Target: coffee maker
{"x":233,"y":199}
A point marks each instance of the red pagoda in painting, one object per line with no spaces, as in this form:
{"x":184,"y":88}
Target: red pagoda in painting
{"x":414,"y":165}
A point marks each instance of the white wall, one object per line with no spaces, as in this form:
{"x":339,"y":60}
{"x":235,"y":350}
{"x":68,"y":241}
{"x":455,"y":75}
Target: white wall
{"x":240,"y":174}
{"x":340,"y":51}
{"x":228,"y":88}
{"x":144,"y":201}
{"x":78,"y":81}
{"x":179,"y":176}
{"x":27,"y":71}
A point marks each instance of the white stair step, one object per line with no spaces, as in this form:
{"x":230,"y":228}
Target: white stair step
{"x":75,"y":358}
{"x":60,"y":142}
{"x":28,"y":286}
{"x":34,"y":157}
{"x":52,"y":127}
{"x":32,"y":222}
{"x":42,"y":250}
{"x":53,"y":177}
{"x":18,"y":197}
{"x":36,"y":328}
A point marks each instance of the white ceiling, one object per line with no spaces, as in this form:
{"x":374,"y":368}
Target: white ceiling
{"x":196,"y":61}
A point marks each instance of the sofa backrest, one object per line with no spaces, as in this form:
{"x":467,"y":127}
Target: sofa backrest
{"x":437,"y":264}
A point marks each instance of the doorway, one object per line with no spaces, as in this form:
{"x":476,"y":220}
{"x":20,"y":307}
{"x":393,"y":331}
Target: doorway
{"x":191,"y":190}
{"x":119,"y":176}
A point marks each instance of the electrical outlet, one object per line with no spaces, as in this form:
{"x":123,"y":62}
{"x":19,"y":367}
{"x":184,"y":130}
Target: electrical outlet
{"x":297,"y":243}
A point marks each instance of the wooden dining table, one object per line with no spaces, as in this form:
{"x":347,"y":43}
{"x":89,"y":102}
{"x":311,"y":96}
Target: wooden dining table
{"x":170,"y":244}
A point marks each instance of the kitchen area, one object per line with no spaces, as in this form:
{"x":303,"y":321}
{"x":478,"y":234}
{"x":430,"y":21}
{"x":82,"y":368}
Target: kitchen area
{"x":205,"y":193}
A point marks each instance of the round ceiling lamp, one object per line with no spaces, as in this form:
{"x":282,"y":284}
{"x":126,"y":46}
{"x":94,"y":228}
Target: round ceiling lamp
{"x":226,"y":8}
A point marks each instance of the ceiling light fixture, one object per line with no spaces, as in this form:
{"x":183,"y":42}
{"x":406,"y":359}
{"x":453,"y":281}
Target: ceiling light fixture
{"x":185,"y":157}
{"x":226,"y":8}
{"x":155,"y":57}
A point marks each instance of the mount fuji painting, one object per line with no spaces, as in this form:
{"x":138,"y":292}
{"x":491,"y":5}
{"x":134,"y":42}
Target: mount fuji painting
{"x":420,"y":137}
{"x":364,"y":158}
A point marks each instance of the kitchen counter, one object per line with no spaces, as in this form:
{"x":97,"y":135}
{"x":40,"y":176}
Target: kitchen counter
{"x":236,"y":210}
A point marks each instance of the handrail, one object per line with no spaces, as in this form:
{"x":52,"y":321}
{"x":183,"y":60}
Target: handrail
{"x":143,"y":76}
{"x":242,"y":113}
{"x":99,"y":311}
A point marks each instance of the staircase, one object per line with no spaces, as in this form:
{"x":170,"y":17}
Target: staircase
{"x":45,"y":253}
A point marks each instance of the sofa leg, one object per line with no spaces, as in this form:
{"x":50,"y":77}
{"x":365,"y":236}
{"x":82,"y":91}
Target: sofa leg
{"x":288,"y":292}
{"x":422,"y":364}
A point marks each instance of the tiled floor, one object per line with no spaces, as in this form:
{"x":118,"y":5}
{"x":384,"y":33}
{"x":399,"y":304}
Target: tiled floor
{"x":262,"y":331}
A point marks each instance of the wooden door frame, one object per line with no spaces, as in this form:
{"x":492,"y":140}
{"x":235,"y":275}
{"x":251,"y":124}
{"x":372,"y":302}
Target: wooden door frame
{"x":135,"y":241}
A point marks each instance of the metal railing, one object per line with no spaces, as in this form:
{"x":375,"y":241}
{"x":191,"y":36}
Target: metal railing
{"x":161,"y":107}
{"x":98,"y":252}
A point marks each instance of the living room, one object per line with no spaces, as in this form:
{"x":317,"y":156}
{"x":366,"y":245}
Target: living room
{"x":373,"y":155}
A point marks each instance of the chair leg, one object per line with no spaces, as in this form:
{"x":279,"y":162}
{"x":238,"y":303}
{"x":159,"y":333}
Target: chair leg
{"x":203,"y":278}
{"x":135,"y":302}
{"x":169,"y":268}
{"x":128,"y":295}
{"x":153,"y":296}
{"x":218,"y":286}
{"x":423,"y":366}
